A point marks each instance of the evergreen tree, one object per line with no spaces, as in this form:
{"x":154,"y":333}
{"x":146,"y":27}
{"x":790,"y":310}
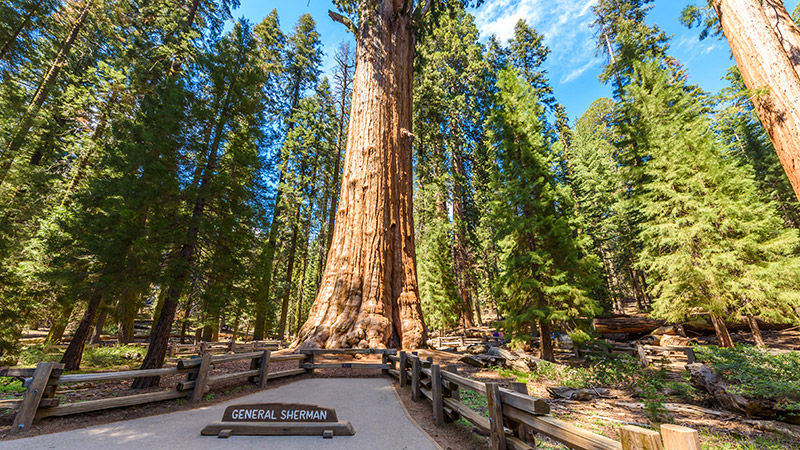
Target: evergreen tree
{"x":544,"y":275}
{"x":709,"y":240}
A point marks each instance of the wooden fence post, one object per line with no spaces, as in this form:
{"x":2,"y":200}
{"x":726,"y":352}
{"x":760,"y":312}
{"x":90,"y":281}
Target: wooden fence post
{"x":677,"y":437}
{"x":33,"y":395}
{"x":689,"y":352}
{"x":310,"y":359}
{"x":415,"y":366}
{"x":436,"y":393}
{"x":403,"y":373}
{"x":263,"y":370}
{"x":202,"y":378}
{"x":642,"y":355}
{"x":637,"y":438}
{"x":384,"y":360}
{"x":497,"y":431}
{"x":524,"y":432}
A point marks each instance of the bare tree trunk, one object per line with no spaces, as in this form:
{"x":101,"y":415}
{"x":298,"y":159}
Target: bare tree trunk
{"x":269,"y":260}
{"x":721,"y":329}
{"x":41,"y":94}
{"x":756,"y":330}
{"x":74,"y":353}
{"x":764,"y":41}
{"x":289,"y":273}
{"x":98,"y":328}
{"x":369,"y":295}
{"x":60,"y":324}
{"x":545,"y":342}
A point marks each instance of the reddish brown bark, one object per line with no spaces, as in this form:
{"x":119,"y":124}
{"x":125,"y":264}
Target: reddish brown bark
{"x":766,"y":45}
{"x":756,"y":330}
{"x":369,"y":296}
{"x":74,"y":352}
{"x":721,"y":329}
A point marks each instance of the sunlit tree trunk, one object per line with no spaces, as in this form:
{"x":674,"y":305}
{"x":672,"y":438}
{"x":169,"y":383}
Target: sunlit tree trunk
{"x":766,"y":45}
{"x":721,"y":329}
{"x":369,"y":295}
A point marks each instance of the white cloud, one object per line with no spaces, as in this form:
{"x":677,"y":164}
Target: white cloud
{"x":564,"y":24}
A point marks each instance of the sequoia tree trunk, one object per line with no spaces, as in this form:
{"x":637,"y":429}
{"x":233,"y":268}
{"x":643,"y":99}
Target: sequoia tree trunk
{"x":546,"y":342}
{"x":766,"y":45}
{"x":756,"y":330}
{"x":369,"y":296}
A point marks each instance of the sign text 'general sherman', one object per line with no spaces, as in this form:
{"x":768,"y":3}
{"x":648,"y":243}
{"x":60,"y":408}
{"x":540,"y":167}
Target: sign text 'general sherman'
{"x":278,"y":412}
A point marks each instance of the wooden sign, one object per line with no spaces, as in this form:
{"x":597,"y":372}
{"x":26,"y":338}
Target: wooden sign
{"x":278,"y":412}
{"x":278,"y":419}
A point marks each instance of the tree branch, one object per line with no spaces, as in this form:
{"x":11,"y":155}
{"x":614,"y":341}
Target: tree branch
{"x":419,"y":14}
{"x":345,"y":21}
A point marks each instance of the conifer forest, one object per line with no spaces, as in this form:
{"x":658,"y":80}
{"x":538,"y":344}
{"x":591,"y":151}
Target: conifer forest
{"x":171,"y":173}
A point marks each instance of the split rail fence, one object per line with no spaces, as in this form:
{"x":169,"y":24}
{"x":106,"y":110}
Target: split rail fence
{"x":42,"y":382}
{"x":647,"y":354}
{"x":515,"y":417}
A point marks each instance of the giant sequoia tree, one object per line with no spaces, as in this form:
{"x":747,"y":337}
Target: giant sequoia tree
{"x":369,"y":296}
{"x":765,"y":42}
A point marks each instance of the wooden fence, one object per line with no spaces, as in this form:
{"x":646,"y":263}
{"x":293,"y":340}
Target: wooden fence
{"x":461,"y":341}
{"x":515,"y":417}
{"x":647,"y":354}
{"x":176,"y":349}
{"x":42,"y":383}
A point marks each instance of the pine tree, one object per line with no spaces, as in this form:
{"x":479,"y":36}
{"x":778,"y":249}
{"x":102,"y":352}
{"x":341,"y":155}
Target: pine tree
{"x":544,"y":275}
{"x":709,"y":240}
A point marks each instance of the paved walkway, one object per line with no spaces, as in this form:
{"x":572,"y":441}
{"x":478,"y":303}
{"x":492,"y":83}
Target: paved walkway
{"x":370,"y":404}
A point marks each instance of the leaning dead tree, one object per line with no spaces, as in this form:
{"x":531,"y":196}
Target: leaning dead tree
{"x":369,"y":296}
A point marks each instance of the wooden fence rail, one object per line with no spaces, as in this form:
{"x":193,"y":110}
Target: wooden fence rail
{"x":515,"y":417}
{"x":42,"y":383}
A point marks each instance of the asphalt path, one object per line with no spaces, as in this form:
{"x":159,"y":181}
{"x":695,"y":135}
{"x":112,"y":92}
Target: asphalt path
{"x":370,"y":404}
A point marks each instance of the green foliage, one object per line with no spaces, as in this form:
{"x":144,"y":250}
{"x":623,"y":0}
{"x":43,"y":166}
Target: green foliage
{"x":11,"y":386}
{"x":544,"y":274}
{"x":757,"y":373}
{"x":113,"y":356}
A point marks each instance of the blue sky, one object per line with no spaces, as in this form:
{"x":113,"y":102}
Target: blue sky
{"x":572,"y":65}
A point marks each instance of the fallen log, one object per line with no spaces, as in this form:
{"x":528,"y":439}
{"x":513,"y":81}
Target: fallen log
{"x":627,"y":325}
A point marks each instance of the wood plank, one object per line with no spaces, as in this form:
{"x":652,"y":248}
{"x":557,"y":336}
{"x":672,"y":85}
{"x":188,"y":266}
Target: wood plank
{"x":394,"y":373}
{"x":202,"y":378}
{"x":464,"y":382}
{"x":234,"y":357}
{"x":473,"y":416}
{"x":341,"y":428}
{"x":497,"y":431}
{"x":524,"y":402}
{"x":285,"y":373}
{"x":278,"y":358}
{"x":14,"y":403}
{"x":17,"y":372}
{"x":231,"y":376}
{"x":111,"y":376}
{"x":638,"y":438}
{"x":346,"y":366}
{"x":436,"y":390}
{"x":642,"y":355}
{"x":108,"y":403}
{"x":677,"y":437}
{"x":563,"y":432}
{"x":393,"y":358}
{"x":33,"y":396}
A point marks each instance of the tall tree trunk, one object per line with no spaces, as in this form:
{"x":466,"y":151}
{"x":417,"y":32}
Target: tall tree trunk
{"x":182,"y":264}
{"x":60,"y":324}
{"x":545,"y":342}
{"x":756,"y":330}
{"x":462,"y":257}
{"x":721,"y":329}
{"x":74,"y":353}
{"x":15,"y":35}
{"x":766,"y":45}
{"x":287,"y":292}
{"x":262,"y":299}
{"x":369,"y":295}
{"x":41,"y":94}
{"x":98,"y":328}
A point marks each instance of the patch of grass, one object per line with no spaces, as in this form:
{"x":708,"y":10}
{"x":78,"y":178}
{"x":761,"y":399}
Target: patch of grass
{"x":209,"y":396}
{"x":11,"y":386}
{"x":107,"y":357}
{"x":31,"y":356}
{"x":713,"y":441}
{"x":475,"y":401}
{"x":756,"y":373}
